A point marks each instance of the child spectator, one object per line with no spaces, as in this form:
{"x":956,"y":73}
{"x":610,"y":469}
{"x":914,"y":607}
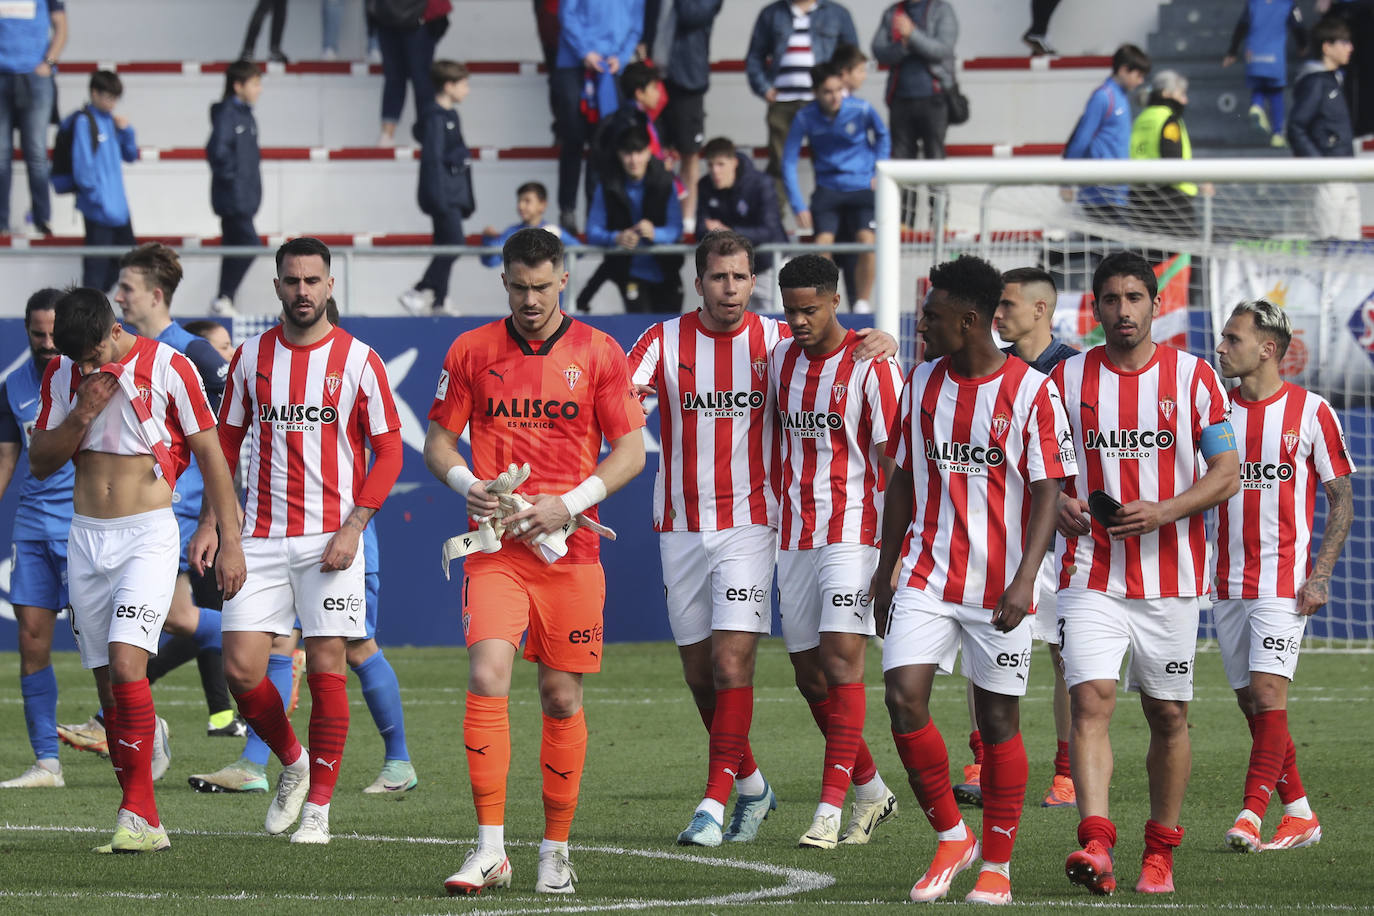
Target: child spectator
{"x":637,"y":207}
{"x":1320,"y":126}
{"x":847,"y":138}
{"x":98,"y":174}
{"x":235,"y":173}
{"x":1263,"y":28}
{"x":641,"y":89}
{"x":216,"y":333}
{"x":445,"y":191}
{"x":852,"y":64}
{"x":1103,"y":131}
{"x":531,"y":201}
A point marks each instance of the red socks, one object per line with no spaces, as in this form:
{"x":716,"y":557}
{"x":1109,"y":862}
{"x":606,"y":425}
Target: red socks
{"x":975,"y":744}
{"x":1266,"y":758}
{"x":328,"y":731}
{"x":132,"y":734}
{"x":1003,"y":780}
{"x":262,"y":708}
{"x":1061,"y":760}
{"x":729,"y":740}
{"x":926,"y":760}
{"x":1161,"y":840}
{"x":1097,"y":828}
{"x":1289,"y":783}
{"x":844,"y":737}
{"x":748,"y":765}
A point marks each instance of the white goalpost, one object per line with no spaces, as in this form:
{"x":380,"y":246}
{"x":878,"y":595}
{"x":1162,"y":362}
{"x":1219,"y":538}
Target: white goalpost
{"x":1217,"y":230}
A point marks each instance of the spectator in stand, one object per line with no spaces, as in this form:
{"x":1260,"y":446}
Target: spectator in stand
{"x":331,"y":24}
{"x":250,"y":39}
{"x":736,"y":197}
{"x":31,"y":40}
{"x":216,"y":333}
{"x":546,"y":23}
{"x":1320,"y":126}
{"x":678,"y":36}
{"x":635,"y":208}
{"x":407,"y":47}
{"x":1263,"y":28}
{"x":789,"y":39}
{"x":915,"y":40}
{"x":235,"y":173}
{"x":847,"y":138}
{"x":1037,"y":36}
{"x":596,"y":41}
{"x":641,"y":94}
{"x":531,"y":202}
{"x":98,"y":174}
{"x":852,"y":65}
{"x":445,"y":191}
{"x":1103,"y":131}
{"x":1358,"y":16}
{"x":1159,"y":133}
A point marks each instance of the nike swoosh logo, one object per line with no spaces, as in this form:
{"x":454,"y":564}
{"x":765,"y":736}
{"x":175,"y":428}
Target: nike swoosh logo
{"x":486,"y":872}
{"x":25,"y":405}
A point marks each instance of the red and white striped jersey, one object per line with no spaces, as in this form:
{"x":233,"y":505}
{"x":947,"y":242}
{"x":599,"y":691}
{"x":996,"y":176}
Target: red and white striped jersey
{"x":1136,"y":435}
{"x":1288,"y":442}
{"x":308,"y":410}
{"x":717,"y":425}
{"x":834,"y":412}
{"x":974,"y":447}
{"x":169,"y":386}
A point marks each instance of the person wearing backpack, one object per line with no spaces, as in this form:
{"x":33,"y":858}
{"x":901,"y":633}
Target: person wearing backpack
{"x":98,"y":175}
{"x":235,"y":173}
{"x":1103,"y":131}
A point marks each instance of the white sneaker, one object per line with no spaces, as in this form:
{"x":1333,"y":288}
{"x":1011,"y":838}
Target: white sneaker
{"x":824,"y":833}
{"x":483,"y":868}
{"x":35,"y":777}
{"x":329,"y":54}
{"x":162,"y":748}
{"x":863,"y":307}
{"x":293,"y":784}
{"x":224,"y":307}
{"x":865,"y":816}
{"x":556,"y":875}
{"x":374,"y":55}
{"x":314,"y":828}
{"x":386,"y":141}
{"x":417,"y":301}
{"x":133,"y":834}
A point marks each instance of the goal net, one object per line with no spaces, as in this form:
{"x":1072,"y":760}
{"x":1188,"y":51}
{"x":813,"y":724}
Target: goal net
{"x":1218,"y":231}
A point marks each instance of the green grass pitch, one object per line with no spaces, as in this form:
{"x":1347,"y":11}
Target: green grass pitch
{"x":645,"y":770}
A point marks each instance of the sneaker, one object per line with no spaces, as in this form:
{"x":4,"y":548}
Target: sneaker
{"x":702,"y":831}
{"x":970,"y":791}
{"x":277,"y":57}
{"x":951,"y":857}
{"x":162,"y":748}
{"x":750,"y":811}
{"x":417,"y":301}
{"x":240,"y":776}
{"x":1091,"y":867}
{"x":397,"y":776}
{"x":329,"y":54}
{"x":297,"y":676}
{"x":374,"y":55}
{"x":1156,"y":875}
{"x":293,"y":784}
{"x":824,"y":833}
{"x":567,"y":221}
{"x":314,"y":828}
{"x":134,"y":834}
{"x":864,"y":818}
{"x":556,"y":875}
{"x":483,"y":868}
{"x":1278,"y":141}
{"x":992,"y":888}
{"x":1244,"y":836}
{"x":223,"y":306}
{"x":1260,"y":118}
{"x":35,"y":777}
{"x":89,"y":736}
{"x":1295,"y":833}
{"x":1061,"y":794}
{"x":863,"y":307}
{"x":1039,"y":47}
{"x":234,"y":728}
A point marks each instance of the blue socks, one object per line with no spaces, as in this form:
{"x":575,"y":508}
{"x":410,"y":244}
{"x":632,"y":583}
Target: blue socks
{"x":382,"y":692}
{"x":207,"y":635}
{"x":40,"y":711}
{"x":279,"y":673}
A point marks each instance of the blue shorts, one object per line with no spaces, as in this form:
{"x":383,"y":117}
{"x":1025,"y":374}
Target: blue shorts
{"x":39,"y":576}
{"x":188,"y":527}
{"x":374,"y":584}
{"x":842,"y":213}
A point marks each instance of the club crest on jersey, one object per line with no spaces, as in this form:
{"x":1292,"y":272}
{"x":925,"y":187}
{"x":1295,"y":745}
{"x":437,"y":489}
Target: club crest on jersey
{"x":146,"y":394}
{"x":333,"y":382}
{"x":761,"y":367}
{"x":1000,"y":424}
{"x":837,"y":392}
{"x":1166,"y":408}
{"x":571,"y":375}
{"x":1290,"y":440}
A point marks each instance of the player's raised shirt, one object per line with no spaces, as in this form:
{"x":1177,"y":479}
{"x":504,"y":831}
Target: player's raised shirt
{"x":974,"y":447}
{"x":1288,"y":443}
{"x":548,"y":403}
{"x":309,"y":411}
{"x":168,"y":386}
{"x":1136,"y":435}
{"x":834,"y":413}
{"x":716,"y":421}
{"x":44,"y":511}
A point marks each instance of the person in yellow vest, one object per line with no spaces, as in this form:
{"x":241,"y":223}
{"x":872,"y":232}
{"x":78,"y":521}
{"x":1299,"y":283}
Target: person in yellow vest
{"x":1159,"y":133}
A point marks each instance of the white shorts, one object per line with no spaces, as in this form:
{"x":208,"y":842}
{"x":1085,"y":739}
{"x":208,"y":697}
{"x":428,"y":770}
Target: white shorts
{"x":923,"y":630}
{"x":285,"y":582}
{"x":121,"y":573}
{"x":1161,"y":634}
{"x":1043,"y":626}
{"x":718,"y":580}
{"x":825,"y":590}
{"x":1258,"y":634}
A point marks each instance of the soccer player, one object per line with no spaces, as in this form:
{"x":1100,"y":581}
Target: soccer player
{"x":543,"y":389}
{"x":988,"y":429}
{"x":38,"y":580}
{"x":312,"y":396}
{"x":716,"y":513}
{"x":132,"y":408}
{"x":1130,"y":579}
{"x":835,"y":412}
{"x":1025,"y":320}
{"x":1267,"y":585}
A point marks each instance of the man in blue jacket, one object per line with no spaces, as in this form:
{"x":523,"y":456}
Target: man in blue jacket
{"x":1103,"y":131}
{"x":235,"y":173}
{"x":98,"y":173}
{"x":32,"y":36}
{"x":735,"y":196}
{"x":1320,"y":126}
{"x":788,"y":40}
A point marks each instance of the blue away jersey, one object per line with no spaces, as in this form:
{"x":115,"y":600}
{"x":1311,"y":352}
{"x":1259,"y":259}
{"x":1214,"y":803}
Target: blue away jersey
{"x":45,"y":506}
{"x":214,"y":372}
